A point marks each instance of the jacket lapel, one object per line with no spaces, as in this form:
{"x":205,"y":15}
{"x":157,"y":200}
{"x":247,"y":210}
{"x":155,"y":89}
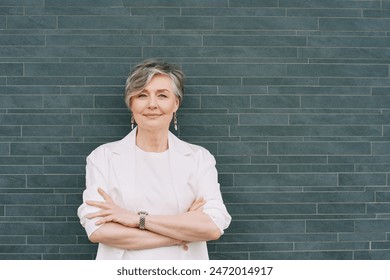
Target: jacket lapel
{"x":123,"y":163}
{"x":180,"y":168}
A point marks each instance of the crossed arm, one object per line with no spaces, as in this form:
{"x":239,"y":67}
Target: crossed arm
{"x":120,"y":226}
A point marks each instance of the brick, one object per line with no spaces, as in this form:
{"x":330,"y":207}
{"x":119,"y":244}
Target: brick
{"x":323,"y":12}
{"x":225,"y":101}
{"x":177,"y":40}
{"x":233,"y":69}
{"x":267,"y":227}
{"x":63,"y":229}
{"x":110,"y":22}
{"x":335,"y":24}
{"x":22,"y":229}
{"x":252,"y":3}
{"x":98,"y":40}
{"x":175,"y":3}
{"x":9,"y":131}
{"x":47,"y":131}
{"x":345,"y":101}
{"x":209,"y":119}
{"x":45,"y":119}
{"x":324,"y":255}
{"x":372,"y":255}
{"x":354,"y":179}
{"x":30,"y":40}
{"x":263,"y":119}
{"x":270,"y":23}
{"x":30,"y":211}
{"x":330,"y":246}
{"x":35,"y":149}
{"x":352,"y":208}
{"x":66,"y":101}
{"x":330,"y":226}
{"x":188,"y":23}
{"x":83,"y":3}
{"x":10,"y":11}
{"x":267,"y":130}
{"x":378,"y":225}
{"x":12,"y":181}
{"x":276,"y":209}
{"x":155,"y":11}
{"x":319,"y":148}
{"x":32,"y":199}
{"x":327,"y":4}
{"x":242,"y":148}
{"x":254,"y":247}
{"x":219,"y":52}
{"x":241,"y":41}
{"x":31,"y":22}
{"x":233,"y":11}
{"x":324,"y":197}
{"x":75,"y":69}
{"x":328,"y":70}
{"x":11,"y":69}
{"x":285,"y":180}
{"x":204,"y":131}
{"x":51,"y":181}
{"x":268,"y":101}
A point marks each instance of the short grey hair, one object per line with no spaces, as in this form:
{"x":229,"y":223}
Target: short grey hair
{"x":143,"y":73}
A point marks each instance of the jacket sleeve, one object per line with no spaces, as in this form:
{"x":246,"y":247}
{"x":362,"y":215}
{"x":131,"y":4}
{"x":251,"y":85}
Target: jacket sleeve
{"x":209,"y":189}
{"x":95,"y":177}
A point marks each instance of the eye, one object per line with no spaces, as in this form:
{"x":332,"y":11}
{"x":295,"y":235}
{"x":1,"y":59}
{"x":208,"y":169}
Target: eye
{"x":162,"y":95}
{"x":141,"y":95}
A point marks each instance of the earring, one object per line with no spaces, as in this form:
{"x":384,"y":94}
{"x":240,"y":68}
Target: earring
{"x":132,"y":122}
{"x":175,"y":120}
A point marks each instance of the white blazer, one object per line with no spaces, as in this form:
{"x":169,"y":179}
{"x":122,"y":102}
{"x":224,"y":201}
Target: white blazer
{"x":111,"y":166}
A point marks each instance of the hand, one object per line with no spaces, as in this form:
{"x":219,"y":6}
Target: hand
{"x":197,"y":205}
{"x":111,"y":212}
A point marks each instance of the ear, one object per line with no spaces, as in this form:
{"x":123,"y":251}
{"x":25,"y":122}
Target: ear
{"x":177,"y":103}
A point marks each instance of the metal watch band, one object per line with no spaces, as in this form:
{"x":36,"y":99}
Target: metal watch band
{"x":142,"y":216}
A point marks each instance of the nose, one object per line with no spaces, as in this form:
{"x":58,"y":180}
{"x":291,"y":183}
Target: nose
{"x":152,"y":101}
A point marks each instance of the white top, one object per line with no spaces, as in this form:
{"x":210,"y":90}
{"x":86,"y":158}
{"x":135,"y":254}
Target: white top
{"x":172,"y":181}
{"x":155,"y":195}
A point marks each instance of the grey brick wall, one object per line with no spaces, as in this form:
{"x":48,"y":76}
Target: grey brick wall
{"x":291,"y":96}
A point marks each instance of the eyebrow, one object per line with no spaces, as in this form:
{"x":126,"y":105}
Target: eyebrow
{"x":158,"y":91}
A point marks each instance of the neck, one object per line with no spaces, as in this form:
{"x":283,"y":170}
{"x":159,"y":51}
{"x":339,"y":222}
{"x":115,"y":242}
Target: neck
{"x":152,"y":141}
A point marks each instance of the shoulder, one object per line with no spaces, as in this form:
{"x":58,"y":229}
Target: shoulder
{"x":103,"y":151}
{"x":119,"y":147}
{"x":199,"y":153}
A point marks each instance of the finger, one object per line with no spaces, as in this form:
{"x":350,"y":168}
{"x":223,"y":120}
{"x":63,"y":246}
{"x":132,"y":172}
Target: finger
{"x":101,"y":221}
{"x":194,"y":204}
{"x":102,"y":213}
{"x":104,"y":195}
{"x":197,"y":204}
{"x":99,"y":204}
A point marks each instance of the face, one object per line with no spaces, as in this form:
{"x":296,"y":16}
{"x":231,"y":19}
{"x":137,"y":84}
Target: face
{"x":153,"y":107}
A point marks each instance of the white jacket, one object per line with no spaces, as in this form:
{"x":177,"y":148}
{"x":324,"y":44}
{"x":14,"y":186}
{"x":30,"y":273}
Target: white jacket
{"x":111,"y":166}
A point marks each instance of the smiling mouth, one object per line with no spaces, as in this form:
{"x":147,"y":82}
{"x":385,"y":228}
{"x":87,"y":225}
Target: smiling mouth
{"x":152,"y":115}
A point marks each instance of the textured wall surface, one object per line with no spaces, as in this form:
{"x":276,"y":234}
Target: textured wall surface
{"x":291,"y":96}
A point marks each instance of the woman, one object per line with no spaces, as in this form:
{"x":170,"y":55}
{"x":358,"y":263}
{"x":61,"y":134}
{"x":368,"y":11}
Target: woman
{"x":151,"y":195}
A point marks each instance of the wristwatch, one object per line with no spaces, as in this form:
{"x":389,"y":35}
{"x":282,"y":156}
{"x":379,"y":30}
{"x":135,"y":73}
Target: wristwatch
{"x":142,"y":216}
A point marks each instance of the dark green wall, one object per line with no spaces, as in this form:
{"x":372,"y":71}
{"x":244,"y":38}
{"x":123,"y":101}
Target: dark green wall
{"x":291,"y":96}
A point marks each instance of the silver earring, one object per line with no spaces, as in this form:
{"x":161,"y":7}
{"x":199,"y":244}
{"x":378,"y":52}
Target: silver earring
{"x":175,"y":120}
{"x":132,"y":122}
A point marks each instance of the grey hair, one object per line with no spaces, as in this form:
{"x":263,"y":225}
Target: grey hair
{"x":143,"y":73}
